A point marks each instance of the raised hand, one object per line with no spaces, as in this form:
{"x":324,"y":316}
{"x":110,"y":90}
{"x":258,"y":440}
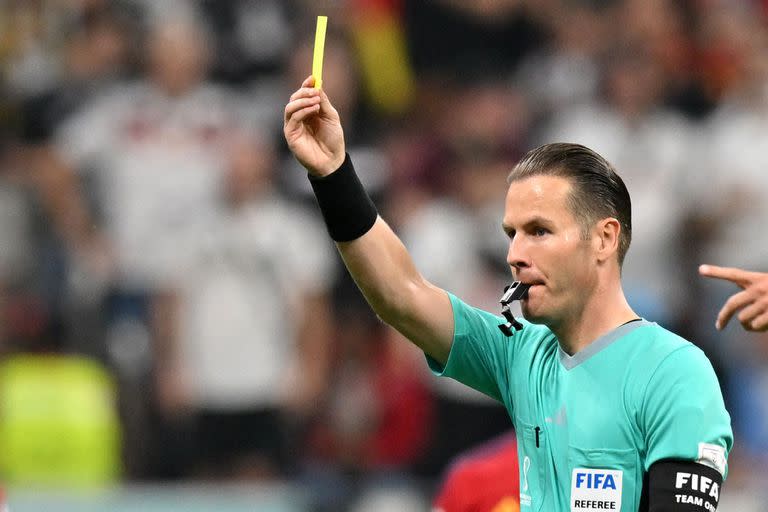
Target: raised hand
{"x":751,"y":302}
{"x":313,"y":130}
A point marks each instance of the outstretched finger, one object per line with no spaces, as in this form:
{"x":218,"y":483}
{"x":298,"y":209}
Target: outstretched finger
{"x":733,"y":304}
{"x":735,"y":275}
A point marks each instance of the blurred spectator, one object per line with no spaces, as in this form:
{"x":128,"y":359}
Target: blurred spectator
{"x":379,"y":414}
{"x":566,"y":73}
{"x":19,"y":233}
{"x":482,"y":134}
{"x":136,"y":175}
{"x":730,"y":214}
{"x":730,"y":172}
{"x":725,"y":34}
{"x":648,"y":145}
{"x":94,"y":55}
{"x":732,"y":166}
{"x":157,"y":150}
{"x":494,"y":36}
{"x":252,"y":38}
{"x":244,"y":343}
{"x":56,"y":55}
{"x":31,"y":34}
{"x":252,"y":45}
{"x":673,"y":46}
{"x":378,"y":419}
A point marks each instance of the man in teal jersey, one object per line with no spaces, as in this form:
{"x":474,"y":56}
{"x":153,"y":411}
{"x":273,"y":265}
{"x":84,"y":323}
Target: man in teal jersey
{"x":612,"y":412}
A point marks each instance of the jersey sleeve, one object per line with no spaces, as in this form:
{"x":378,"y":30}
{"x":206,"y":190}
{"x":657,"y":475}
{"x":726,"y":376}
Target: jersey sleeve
{"x":481,"y":355}
{"x":683,"y":412}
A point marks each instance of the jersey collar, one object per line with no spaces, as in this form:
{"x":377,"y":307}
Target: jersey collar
{"x":570,"y":362}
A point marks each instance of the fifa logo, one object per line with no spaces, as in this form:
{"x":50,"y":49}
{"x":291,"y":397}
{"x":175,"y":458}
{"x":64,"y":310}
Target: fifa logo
{"x":595,"y":481}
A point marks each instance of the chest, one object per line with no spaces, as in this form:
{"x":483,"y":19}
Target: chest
{"x":580,"y":447}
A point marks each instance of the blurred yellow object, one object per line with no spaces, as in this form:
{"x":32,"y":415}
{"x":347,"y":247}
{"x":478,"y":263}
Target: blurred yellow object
{"x":59,"y":425}
{"x":507,"y":505}
{"x":384,"y":62}
{"x":317,"y":59}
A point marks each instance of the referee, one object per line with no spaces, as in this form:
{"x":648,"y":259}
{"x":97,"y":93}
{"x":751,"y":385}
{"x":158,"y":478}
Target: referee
{"x":612,"y":412}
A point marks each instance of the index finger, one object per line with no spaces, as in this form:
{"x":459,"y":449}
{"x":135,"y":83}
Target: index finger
{"x":735,"y":275}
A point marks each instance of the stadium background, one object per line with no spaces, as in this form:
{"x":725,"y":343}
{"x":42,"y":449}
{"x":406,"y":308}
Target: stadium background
{"x":438,"y":98}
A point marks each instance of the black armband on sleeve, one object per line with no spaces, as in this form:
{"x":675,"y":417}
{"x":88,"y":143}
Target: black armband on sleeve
{"x":347,"y":210}
{"x":683,"y":486}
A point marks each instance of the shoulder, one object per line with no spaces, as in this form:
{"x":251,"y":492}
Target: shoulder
{"x":521,"y":355}
{"x":680,"y":407}
{"x":471,"y":320}
{"x":669,"y":367}
{"x":110,"y":102}
{"x":658,"y":359}
{"x":652,"y":344}
{"x":666,"y":348}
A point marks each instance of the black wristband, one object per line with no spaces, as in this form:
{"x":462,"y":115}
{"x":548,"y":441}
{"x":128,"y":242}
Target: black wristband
{"x":348,"y":211}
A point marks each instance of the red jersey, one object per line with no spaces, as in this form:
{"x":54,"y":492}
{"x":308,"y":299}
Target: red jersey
{"x":484,"y":480}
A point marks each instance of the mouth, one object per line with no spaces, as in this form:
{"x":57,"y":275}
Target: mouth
{"x":531,"y":286}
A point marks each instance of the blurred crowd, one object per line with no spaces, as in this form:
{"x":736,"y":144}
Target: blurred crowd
{"x":169,"y":295}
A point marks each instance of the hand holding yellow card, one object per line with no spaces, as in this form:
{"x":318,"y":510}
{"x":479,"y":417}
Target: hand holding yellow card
{"x":317,"y":60}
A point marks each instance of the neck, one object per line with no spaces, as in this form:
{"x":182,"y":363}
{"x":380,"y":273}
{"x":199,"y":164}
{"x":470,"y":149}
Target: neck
{"x":607,"y":310}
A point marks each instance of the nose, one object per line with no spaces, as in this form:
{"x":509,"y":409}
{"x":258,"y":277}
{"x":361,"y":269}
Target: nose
{"x":517,"y":256}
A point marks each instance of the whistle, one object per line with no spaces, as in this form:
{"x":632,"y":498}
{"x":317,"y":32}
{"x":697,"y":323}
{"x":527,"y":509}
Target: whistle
{"x":513,"y":292}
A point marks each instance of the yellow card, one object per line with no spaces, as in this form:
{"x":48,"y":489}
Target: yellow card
{"x":317,"y":60}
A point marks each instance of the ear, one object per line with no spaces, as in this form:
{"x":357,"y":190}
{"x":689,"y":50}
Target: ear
{"x":606,"y":238}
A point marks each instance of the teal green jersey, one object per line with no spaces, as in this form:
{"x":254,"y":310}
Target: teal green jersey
{"x":590,"y":425}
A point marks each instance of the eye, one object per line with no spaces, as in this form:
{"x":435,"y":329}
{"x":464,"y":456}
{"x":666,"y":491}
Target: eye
{"x":511,"y":234}
{"x":540,"y":231}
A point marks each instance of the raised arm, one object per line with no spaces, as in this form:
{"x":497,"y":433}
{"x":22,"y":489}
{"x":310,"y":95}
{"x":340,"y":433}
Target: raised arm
{"x":374,"y":256}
